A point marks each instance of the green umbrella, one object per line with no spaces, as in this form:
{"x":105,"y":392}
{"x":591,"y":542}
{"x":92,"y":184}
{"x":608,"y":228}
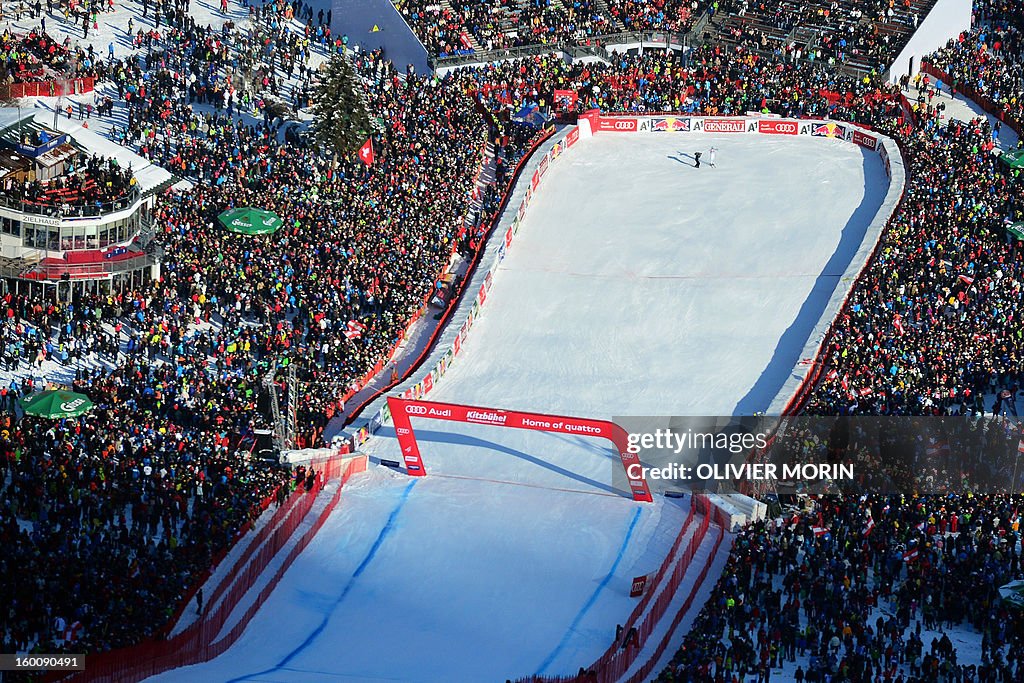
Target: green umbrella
{"x":250,"y":221}
{"x":56,"y":404}
{"x":1013,"y":593}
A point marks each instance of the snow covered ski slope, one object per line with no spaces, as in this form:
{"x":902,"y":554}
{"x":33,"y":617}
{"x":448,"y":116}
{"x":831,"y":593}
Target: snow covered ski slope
{"x":637,"y":285}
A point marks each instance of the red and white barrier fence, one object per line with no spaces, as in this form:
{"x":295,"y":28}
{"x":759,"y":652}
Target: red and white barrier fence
{"x":50,"y":88}
{"x":202,"y":641}
{"x":617,"y":661}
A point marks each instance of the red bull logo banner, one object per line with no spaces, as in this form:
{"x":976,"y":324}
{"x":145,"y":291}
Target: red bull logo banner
{"x":827,"y":130}
{"x":670,"y":124}
{"x":722,"y":125}
{"x":542,"y":168}
{"x":457,"y":344}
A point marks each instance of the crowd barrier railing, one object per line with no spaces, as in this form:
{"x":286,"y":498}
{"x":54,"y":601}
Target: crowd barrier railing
{"x":50,"y":88}
{"x":616,"y":662}
{"x":207,"y":638}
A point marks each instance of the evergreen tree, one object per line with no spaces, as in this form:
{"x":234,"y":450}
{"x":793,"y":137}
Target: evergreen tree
{"x":342,"y":120}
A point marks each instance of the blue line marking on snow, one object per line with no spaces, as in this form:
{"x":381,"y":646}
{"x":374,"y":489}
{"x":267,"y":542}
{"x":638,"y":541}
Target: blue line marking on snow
{"x":593,"y":598}
{"x":388,"y":526}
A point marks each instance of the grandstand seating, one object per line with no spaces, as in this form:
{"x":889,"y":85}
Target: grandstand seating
{"x":864,"y":34}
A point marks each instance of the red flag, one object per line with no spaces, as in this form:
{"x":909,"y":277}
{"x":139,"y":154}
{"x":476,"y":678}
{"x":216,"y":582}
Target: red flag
{"x":910,"y":555}
{"x":1020,"y":448}
{"x":366,"y":152}
{"x":819,"y":530}
{"x":869,"y":527}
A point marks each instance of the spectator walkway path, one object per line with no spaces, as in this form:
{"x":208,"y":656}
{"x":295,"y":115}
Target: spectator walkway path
{"x":964,"y":109}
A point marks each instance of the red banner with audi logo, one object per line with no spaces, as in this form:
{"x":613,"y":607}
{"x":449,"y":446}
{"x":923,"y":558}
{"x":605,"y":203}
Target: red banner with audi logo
{"x":616,"y":124}
{"x":776,"y":127}
{"x":403,"y":410}
{"x":864,"y":140}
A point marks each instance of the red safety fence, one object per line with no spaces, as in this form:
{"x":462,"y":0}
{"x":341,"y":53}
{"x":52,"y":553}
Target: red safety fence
{"x":51,"y":88}
{"x":618,"y":660}
{"x":206,"y":639}
{"x":719,"y":518}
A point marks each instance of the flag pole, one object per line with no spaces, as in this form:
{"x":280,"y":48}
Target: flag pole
{"x":1013,"y":482}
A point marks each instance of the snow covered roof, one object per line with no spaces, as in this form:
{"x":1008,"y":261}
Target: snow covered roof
{"x":56,"y":155}
{"x":10,"y":116}
{"x":148,"y":174}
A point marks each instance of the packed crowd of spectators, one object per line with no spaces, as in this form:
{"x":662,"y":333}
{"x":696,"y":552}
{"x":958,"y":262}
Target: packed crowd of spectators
{"x":446,"y":30}
{"x":864,"y":589}
{"x":500,"y":24}
{"x":154,"y":477}
{"x":36,"y":57}
{"x":113,"y":515}
{"x":92,"y":180}
{"x":157,"y":478}
{"x":716,"y":81}
{"x":989,"y":59}
{"x":661,"y":15}
{"x":868,"y":33}
{"x":931,"y":328}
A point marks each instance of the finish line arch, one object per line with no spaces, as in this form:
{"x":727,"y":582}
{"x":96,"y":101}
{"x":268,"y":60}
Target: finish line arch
{"x":403,"y":410}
